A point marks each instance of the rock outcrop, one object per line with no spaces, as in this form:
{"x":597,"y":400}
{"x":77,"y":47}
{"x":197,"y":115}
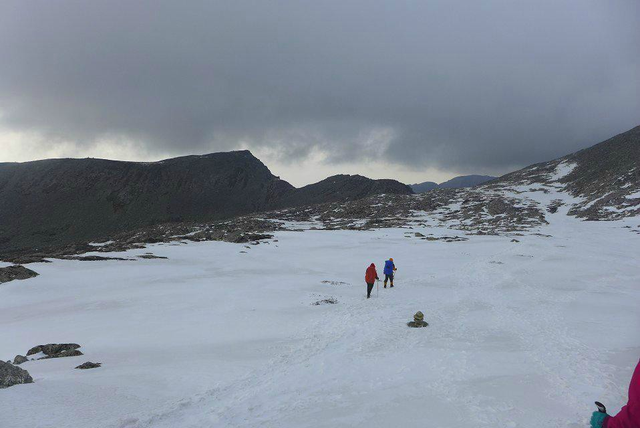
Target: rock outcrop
{"x":12,"y":375}
{"x":11,"y":273}
{"x":89,"y":365}
{"x":56,"y":350}
{"x":19,"y":359}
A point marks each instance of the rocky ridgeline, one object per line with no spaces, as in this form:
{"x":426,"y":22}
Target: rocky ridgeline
{"x":137,"y":203}
{"x":604,"y":180}
{"x":506,"y":205}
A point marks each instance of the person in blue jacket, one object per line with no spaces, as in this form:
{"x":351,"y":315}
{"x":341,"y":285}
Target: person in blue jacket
{"x":389,"y":268}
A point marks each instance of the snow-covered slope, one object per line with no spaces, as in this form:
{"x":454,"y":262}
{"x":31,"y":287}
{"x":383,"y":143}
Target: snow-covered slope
{"x":527,"y":328}
{"x":604,"y":179}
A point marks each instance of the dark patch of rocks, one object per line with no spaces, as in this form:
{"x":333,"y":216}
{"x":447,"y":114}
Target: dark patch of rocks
{"x":478,"y":210}
{"x":329,"y":301}
{"x":56,"y":350}
{"x":151,"y":256}
{"x":89,"y":365}
{"x":445,"y":238}
{"x":554,"y":205}
{"x":24,"y":260}
{"x":12,"y":375}
{"x":499,"y":206}
{"x":14,"y":272}
{"x":242,"y":237}
{"x":605,"y":176}
{"x":95,"y":258}
{"x":335,"y":282}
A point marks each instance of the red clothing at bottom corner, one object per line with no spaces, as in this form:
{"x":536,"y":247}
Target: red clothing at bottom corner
{"x":629,"y":416}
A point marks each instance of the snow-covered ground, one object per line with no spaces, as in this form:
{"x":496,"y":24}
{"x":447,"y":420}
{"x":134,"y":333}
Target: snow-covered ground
{"x":522,"y":334}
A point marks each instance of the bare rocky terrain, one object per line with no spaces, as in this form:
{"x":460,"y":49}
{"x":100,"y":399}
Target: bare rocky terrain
{"x":604,"y":179}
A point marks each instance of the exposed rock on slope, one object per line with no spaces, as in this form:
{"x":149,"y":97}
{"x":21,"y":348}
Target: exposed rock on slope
{"x":481,"y":212}
{"x":605,"y":178}
{"x":11,"y":375}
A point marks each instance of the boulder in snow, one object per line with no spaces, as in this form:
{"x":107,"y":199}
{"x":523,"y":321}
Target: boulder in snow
{"x":12,"y":375}
{"x":19,"y":359}
{"x":10,"y":273}
{"x":56,"y":350}
{"x":329,"y":301}
{"x":89,"y":365}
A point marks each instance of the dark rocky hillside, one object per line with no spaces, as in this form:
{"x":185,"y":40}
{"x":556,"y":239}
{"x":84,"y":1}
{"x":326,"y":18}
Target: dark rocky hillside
{"x":341,"y":188}
{"x":61,"y":201}
{"x":605,"y":178}
{"x":609,"y":172}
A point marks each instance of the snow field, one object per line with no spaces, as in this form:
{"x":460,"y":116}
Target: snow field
{"x":521,"y":334}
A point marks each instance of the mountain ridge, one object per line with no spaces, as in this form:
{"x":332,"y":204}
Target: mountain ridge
{"x":60,"y":201}
{"x":605,"y":177}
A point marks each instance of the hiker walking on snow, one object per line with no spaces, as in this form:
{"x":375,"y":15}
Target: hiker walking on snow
{"x":389,"y":268}
{"x":370,"y":278}
{"x":629,"y":416}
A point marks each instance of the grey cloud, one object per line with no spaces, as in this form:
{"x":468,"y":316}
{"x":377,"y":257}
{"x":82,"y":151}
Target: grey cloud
{"x":466,"y":85}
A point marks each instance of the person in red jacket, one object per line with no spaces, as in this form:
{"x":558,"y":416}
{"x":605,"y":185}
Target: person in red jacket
{"x":370,"y":278}
{"x":629,"y":416}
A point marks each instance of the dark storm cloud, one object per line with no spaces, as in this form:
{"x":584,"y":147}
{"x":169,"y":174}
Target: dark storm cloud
{"x":475,"y":85}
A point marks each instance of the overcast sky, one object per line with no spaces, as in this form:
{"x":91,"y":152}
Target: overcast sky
{"x":413,"y":90}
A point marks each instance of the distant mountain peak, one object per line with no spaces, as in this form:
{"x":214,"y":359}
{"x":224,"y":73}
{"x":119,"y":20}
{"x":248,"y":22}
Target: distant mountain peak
{"x":454,"y":183}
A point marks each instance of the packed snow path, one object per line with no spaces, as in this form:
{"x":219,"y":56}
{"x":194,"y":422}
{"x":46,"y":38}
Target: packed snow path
{"x":522,"y":334}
